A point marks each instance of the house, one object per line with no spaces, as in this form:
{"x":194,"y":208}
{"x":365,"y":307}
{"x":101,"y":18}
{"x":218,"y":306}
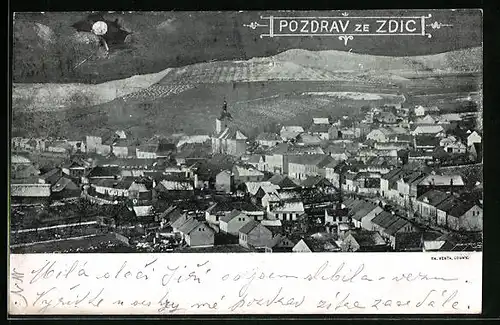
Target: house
{"x":268,"y":139}
{"x":363,"y":241}
{"x":174,"y":183}
{"x":388,"y":183}
{"x":290,"y":132}
{"x":334,"y":132}
{"x":192,"y":152}
{"x":93,"y":143}
{"x":120,"y":148}
{"x":420,"y":157}
{"x":455,"y":148}
{"x":243,"y":174}
{"x":216,"y":211}
{"x":306,"y":139}
{"x":200,"y":139}
{"x":408,"y":189}
{"x":321,"y":120}
{"x":414,"y":241}
{"x":111,"y":188}
{"x":319,"y":182}
{"x":367,"y":182}
{"x":75,"y":169}
{"x":474,"y":137}
{"x":276,"y":159}
{"x":436,"y":130}
{"x":316,"y":245}
{"x":286,"y":211}
{"x":362,"y":212}
{"x":255,"y":235}
{"x":141,"y":189}
{"x":230,"y":142}
{"x":59,"y":146}
{"x":427,"y":120}
{"x":385,"y":134}
{"x":65,"y":188}
{"x":449,"y":118}
{"x":232,"y":222}
{"x":22,"y":167}
{"x":445,"y":183}
{"x":50,"y":177}
{"x":146,"y":151}
{"x":460,"y":215}
{"x":320,"y":130}
{"x":421,"y":111}
{"x":165,"y":148}
{"x":224,"y":181}
{"x":143,"y":212}
{"x":386,"y":118}
{"x":101,"y":172}
{"x":282,"y":181}
{"x":281,"y":243}
{"x":197,"y":233}
{"x":302,"y":166}
{"x":425,"y":142}
{"x":426,"y":205}
{"x":388,"y":224}
{"x":30,"y":193}
{"x":476,"y":152}
{"x":253,"y":187}
{"x":257,"y":161}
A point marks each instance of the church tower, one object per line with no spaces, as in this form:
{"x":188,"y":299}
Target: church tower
{"x":224,"y":118}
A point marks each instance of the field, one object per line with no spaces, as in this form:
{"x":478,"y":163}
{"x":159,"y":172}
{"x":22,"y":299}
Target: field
{"x":101,"y":243}
{"x":252,"y":104}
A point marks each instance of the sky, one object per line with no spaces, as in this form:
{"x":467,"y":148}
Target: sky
{"x":46,"y":48}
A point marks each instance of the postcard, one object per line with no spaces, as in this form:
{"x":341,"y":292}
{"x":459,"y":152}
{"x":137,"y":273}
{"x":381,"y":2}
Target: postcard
{"x":246,"y":162}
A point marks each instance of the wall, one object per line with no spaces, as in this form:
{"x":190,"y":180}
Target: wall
{"x":472,"y":220}
{"x":121,"y":152}
{"x":259,"y":237}
{"x":197,"y":238}
{"x":301,"y":247}
{"x":233,"y":226}
{"x":223,"y":182}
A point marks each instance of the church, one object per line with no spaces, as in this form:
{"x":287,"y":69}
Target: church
{"x":227,"y":139}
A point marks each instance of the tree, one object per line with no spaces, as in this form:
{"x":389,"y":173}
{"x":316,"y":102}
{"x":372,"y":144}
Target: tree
{"x":83,"y":209}
{"x":33,"y":221}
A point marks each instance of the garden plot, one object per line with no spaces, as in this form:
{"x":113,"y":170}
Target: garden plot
{"x":158,"y":91}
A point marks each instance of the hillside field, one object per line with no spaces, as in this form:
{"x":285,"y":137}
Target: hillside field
{"x":252,"y":104}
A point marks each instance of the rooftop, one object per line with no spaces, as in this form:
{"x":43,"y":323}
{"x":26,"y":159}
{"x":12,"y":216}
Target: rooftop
{"x":249,"y":226}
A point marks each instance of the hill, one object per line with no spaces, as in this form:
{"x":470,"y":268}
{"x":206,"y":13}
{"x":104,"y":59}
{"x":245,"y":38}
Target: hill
{"x":54,"y":97}
{"x":291,"y":65}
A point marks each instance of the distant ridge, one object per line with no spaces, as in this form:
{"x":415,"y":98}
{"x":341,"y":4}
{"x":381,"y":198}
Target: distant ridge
{"x":290,"y":65}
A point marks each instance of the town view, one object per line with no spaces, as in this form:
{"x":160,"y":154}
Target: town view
{"x":300,"y":150}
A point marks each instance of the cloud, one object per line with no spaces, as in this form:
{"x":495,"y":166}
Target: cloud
{"x":44,"y":32}
{"x":168,"y":26}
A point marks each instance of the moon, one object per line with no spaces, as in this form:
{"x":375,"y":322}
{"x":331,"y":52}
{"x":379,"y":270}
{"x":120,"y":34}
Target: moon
{"x":99,"y":28}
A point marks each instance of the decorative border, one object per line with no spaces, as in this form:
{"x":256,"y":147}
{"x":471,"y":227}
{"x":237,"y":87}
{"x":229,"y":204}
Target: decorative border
{"x":347,"y":37}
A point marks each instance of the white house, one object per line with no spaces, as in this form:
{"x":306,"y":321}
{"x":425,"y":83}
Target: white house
{"x":287,"y":211}
{"x":290,"y":132}
{"x":232,"y":222}
{"x":474,"y":137}
{"x":428,"y":129}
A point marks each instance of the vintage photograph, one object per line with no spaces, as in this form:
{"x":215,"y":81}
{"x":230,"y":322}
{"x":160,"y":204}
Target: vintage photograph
{"x":246,"y":131}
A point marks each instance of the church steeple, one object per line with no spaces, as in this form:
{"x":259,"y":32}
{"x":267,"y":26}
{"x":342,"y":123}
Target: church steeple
{"x":225,"y":116}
